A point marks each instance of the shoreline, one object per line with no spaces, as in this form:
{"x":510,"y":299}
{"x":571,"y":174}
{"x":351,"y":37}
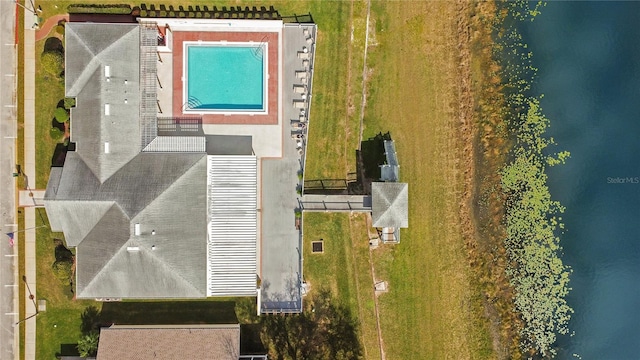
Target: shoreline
{"x":484,"y":152}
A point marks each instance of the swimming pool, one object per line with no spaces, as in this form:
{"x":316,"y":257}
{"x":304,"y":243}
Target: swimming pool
{"x":224,"y":77}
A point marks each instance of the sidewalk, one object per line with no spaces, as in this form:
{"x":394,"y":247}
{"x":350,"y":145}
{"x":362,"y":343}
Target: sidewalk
{"x":30,"y":170}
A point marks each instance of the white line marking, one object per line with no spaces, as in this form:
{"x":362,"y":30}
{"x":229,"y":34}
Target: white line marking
{"x":10,"y":224}
{"x":11,"y":255}
{"x":10,"y":285}
{"x":11,"y":106}
{"x":9,"y":74}
{"x":9,"y":44}
{"x":11,"y":313}
{"x":10,"y":137}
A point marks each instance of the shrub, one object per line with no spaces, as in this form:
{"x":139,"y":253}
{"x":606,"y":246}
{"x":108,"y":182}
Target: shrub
{"x":63,"y":270}
{"x":88,"y":344}
{"x":61,"y":115}
{"x":52,"y":62}
{"x":99,"y":9}
{"x":60,"y":29}
{"x":56,"y":134}
{"x":69,"y":103}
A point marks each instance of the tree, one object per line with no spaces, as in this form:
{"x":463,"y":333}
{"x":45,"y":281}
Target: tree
{"x":90,"y":320}
{"x":52,"y":62}
{"x":61,"y":115}
{"x":325,"y":330}
{"x":88,"y":344}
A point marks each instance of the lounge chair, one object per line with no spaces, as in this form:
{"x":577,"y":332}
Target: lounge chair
{"x":303,"y":55}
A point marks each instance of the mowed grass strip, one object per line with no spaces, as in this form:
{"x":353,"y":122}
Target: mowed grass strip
{"x":49,"y":91}
{"x":428,"y":312}
{"x":60,"y":324}
{"x":328,"y":120}
{"x":343,"y":268}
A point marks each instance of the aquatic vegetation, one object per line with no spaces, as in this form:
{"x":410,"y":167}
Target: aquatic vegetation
{"x":532,"y":219}
{"x":536,"y":270}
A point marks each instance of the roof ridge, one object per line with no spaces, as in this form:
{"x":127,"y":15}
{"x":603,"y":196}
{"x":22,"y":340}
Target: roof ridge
{"x":168,"y":186}
{"x":90,"y":68}
{"x":171,"y":270}
{"x":153,"y":257}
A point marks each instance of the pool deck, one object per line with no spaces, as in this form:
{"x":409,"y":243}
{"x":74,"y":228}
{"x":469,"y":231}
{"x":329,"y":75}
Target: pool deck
{"x":281,"y":247}
{"x":271,"y":117}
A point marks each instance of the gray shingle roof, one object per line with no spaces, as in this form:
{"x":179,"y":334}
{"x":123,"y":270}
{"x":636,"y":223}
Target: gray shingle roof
{"x":390,"y":204}
{"x":138,"y":219}
{"x":93,"y":47}
{"x":161,"y":192}
{"x":169,"y":263}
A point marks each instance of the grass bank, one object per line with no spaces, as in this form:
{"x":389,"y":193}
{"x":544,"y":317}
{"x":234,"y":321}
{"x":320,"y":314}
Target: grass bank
{"x":419,"y":92}
{"x":344,"y":268}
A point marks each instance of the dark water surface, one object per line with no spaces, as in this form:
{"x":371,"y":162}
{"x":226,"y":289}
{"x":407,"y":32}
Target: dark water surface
{"x":588,"y":56}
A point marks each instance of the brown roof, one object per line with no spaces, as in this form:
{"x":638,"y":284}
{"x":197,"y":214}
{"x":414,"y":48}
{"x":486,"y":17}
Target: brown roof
{"x":158,"y":342}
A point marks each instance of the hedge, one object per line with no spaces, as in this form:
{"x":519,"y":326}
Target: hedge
{"x":99,"y":9}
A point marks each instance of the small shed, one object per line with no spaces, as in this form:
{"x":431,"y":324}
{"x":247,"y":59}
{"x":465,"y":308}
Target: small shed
{"x":390,"y":208}
{"x":390,"y":202}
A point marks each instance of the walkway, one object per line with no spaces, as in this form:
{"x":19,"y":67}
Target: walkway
{"x":29,"y":170}
{"x":45,"y":28}
{"x":336,"y":203}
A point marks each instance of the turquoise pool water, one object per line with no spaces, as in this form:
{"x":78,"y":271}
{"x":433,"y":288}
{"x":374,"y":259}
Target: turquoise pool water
{"x":222,"y":77}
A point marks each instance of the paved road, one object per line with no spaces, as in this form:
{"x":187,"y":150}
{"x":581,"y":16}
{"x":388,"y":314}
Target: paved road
{"x":8,"y":261}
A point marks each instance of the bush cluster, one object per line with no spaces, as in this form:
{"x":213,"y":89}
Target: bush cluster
{"x":122,"y":9}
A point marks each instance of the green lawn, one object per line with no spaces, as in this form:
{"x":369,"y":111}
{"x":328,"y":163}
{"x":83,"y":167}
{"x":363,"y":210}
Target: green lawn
{"x":343,"y":268}
{"x":60,"y":324}
{"x":49,"y":91}
{"x":430,"y":311}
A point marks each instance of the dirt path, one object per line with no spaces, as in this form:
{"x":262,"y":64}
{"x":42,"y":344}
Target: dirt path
{"x":364,"y":76}
{"x":49,"y":24}
{"x":360,"y":134}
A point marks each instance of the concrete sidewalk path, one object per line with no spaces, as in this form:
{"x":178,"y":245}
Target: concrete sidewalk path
{"x":29,"y":170}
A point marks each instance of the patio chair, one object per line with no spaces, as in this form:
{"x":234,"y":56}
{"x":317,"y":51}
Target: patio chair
{"x":303,"y":55}
{"x":299,"y":104}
